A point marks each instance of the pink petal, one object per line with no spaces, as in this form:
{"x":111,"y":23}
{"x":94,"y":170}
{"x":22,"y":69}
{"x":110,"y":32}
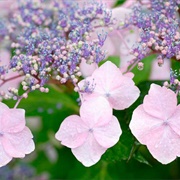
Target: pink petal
{"x":174,"y":120}
{"x":7,"y":6}
{"x":90,"y":152}
{"x":114,"y":41}
{"x":72,"y":132}
{"x":106,"y":2}
{"x":111,"y":44}
{"x":164,"y":144}
{"x":125,"y":95}
{"x":4,"y":158}
{"x":87,"y":69}
{"x":160,"y":102}
{"x":18,"y":144}
{"x":160,"y":73}
{"x":4,"y":56}
{"x":13,"y":120}
{"x":3,"y":108}
{"x":107,"y":77}
{"x":109,"y":82}
{"x":130,"y":38}
{"x":129,"y":74}
{"x":161,"y":140}
{"x":96,"y":112}
{"x":120,"y":13}
{"x":108,"y":135}
{"x":142,"y":124}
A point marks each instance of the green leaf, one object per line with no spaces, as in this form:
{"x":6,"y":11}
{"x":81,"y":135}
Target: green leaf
{"x":122,"y":150}
{"x":143,"y":75}
{"x":176,"y":65}
{"x":53,"y":100}
{"x":140,"y":158}
{"x":119,"y":2}
{"x":113,"y":59}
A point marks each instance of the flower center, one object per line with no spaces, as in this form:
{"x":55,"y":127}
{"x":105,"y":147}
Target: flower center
{"x":107,"y":94}
{"x":90,"y":130}
{"x":165,"y":123}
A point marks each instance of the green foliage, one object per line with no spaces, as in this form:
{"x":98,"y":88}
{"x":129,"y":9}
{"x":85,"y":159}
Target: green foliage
{"x":119,"y":2}
{"x":143,"y":75}
{"x":113,"y":59}
{"x":176,"y":65}
{"x":126,"y":160}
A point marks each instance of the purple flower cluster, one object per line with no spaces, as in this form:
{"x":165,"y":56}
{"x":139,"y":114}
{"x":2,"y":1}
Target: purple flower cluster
{"x":50,"y":39}
{"x":158,"y":24}
{"x":174,"y":81}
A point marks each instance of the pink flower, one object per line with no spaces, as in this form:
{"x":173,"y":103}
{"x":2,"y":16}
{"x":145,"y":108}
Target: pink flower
{"x":156,"y":123}
{"x":15,"y":137}
{"x":92,"y":133}
{"x":108,"y":82}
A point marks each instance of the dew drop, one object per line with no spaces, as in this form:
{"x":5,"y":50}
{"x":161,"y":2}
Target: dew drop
{"x":58,"y":106}
{"x":50,"y":111}
{"x":40,"y":109}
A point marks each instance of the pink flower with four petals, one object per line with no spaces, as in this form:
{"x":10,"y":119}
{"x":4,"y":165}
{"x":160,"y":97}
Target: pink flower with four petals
{"x":156,"y":123}
{"x":15,"y":137}
{"x":91,"y":133}
{"x":110,"y":83}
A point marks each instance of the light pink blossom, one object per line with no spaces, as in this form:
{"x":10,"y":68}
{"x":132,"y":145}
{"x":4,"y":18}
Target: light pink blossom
{"x":15,"y":137}
{"x":110,"y":83}
{"x":156,"y":123}
{"x":92,"y":133}
{"x":87,"y":69}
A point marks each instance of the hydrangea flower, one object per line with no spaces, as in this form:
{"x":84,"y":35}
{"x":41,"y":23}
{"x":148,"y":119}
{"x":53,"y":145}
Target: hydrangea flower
{"x":108,"y":82}
{"x":92,"y":133}
{"x":156,"y":123}
{"x":15,"y":137}
{"x":113,"y":42}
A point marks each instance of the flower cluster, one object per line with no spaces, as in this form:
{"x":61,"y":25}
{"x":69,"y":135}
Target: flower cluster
{"x":50,"y":39}
{"x":97,"y":129}
{"x":47,"y":41}
{"x":158,"y":26}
